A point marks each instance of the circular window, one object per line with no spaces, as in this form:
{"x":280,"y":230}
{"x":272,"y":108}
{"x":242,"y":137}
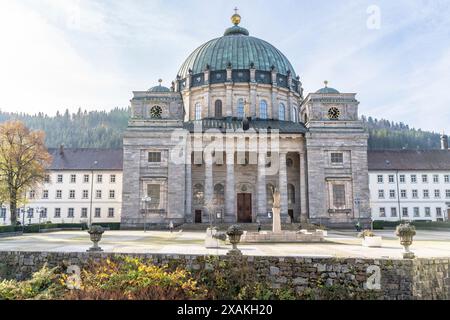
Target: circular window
{"x":156,"y":112}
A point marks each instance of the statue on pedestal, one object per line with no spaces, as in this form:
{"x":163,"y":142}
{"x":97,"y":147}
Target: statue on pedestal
{"x":276,"y":211}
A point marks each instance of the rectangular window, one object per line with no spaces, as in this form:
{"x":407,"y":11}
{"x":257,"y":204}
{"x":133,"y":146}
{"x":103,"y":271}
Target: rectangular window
{"x":392,"y":194}
{"x":57,"y":212}
{"x":84,"y":212}
{"x":98,"y":212}
{"x":393,"y":212}
{"x":47,"y":178}
{"x":380,"y":194}
{"x":60,"y":178}
{"x":45,"y":194}
{"x":391,"y":178}
{"x":110,"y":212}
{"x":30,"y":213}
{"x":436,"y":178}
{"x":32,"y":194}
{"x":380,"y":178}
{"x":112,"y":194}
{"x":73,"y":178}
{"x":337,"y":158}
{"x":447,"y":194}
{"x":403,"y":194}
{"x":153,"y":191}
{"x":99,"y":178}
{"x":98,"y":194}
{"x":72,"y":194}
{"x":154,"y":157}
{"x":438,"y":212}
{"x":425,"y":178}
{"x":427,"y":212}
{"x":416,"y":212}
{"x":402,"y":178}
{"x":86,"y":178}
{"x":382,"y":212}
{"x":85,"y":194}
{"x":339,"y":195}
{"x":2,"y":213}
{"x":112,"y":178}
{"x":447,"y":178}
{"x":426,"y":194}
{"x":415,"y":194}
{"x":437,"y":193}
{"x":44,"y":213}
{"x":58,"y":194}
{"x":413,"y":178}
{"x":70,"y":213}
{"x":405,"y":212}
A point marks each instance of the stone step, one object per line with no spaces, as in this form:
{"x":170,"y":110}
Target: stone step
{"x":245,"y":226}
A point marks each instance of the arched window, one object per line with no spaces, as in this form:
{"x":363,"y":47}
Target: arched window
{"x":294,"y":117}
{"x":199,"y":193}
{"x":281,"y":112}
{"x":291,"y":194}
{"x":219,"y":195}
{"x":218,"y":109}
{"x":198,"y":111}
{"x":240,"y":108}
{"x":270,"y":188}
{"x":263,"y":109}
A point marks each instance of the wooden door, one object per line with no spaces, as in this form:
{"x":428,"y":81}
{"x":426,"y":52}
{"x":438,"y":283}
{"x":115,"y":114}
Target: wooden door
{"x":244,"y":207}
{"x":448,"y":214}
{"x":198,"y":216}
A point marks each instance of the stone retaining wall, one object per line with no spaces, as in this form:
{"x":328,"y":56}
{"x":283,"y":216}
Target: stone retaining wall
{"x":381,"y":278}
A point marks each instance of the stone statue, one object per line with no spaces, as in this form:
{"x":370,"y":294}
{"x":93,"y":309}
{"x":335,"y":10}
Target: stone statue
{"x":276,"y":199}
{"x":276,"y":227}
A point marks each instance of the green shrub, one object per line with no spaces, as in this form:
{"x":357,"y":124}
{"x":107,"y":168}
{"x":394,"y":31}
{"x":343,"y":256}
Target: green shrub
{"x":43,"y":285}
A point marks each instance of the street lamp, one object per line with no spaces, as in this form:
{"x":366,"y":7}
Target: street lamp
{"x":92,"y":192}
{"x":146,"y":200}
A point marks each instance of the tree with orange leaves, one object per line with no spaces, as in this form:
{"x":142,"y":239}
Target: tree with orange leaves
{"x":23,"y":162}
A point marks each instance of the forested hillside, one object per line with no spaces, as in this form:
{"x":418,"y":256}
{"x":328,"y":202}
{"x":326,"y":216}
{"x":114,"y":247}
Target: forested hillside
{"x":104,"y":129}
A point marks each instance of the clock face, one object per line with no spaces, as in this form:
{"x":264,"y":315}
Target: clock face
{"x":334,"y":113}
{"x":156,"y":112}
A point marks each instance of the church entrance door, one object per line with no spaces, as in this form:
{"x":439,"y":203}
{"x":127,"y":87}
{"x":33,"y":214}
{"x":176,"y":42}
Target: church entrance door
{"x":244,"y":207}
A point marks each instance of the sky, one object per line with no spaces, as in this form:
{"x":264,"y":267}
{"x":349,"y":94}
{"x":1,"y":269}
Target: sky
{"x":91,"y":54}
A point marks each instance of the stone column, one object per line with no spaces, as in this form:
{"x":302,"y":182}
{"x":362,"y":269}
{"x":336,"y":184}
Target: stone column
{"x":188,"y":195}
{"x":303,"y":190}
{"x":209,"y":184}
{"x":230,"y":192}
{"x":282,"y":185}
{"x":261,"y":188}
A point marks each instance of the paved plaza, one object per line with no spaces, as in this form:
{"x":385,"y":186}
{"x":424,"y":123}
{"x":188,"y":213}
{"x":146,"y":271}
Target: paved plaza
{"x":339,"y":244}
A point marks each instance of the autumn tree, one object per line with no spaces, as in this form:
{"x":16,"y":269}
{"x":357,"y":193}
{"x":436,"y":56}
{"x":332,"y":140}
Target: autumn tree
{"x":23,"y":161}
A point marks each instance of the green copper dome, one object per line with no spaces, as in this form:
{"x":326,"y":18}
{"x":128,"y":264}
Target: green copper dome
{"x":159,"y":88}
{"x":327,"y":90}
{"x":239,"y":49}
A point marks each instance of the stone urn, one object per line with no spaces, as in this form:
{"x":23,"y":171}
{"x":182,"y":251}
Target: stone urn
{"x":95,"y":233}
{"x":234,"y":234}
{"x":406,"y":232}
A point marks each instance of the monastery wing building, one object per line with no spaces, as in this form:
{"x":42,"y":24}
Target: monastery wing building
{"x":234,"y":126}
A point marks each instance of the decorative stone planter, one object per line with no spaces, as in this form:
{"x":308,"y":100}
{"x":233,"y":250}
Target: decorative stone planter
{"x":234,"y":234}
{"x":406,"y":232}
{"x":96,"y":233}
{"x":372,"y":242}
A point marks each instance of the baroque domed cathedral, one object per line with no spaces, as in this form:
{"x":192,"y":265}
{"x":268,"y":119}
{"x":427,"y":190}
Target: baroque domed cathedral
{"x":234,"y":127}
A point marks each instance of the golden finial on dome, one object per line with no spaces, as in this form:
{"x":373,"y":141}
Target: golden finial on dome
{"x":236,"y":18}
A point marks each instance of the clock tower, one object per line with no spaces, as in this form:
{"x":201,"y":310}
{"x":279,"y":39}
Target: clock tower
{"x":336,"y":157}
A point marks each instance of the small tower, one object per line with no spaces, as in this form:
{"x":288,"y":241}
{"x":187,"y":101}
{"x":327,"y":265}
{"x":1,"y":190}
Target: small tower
{"x":336,"y":144}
